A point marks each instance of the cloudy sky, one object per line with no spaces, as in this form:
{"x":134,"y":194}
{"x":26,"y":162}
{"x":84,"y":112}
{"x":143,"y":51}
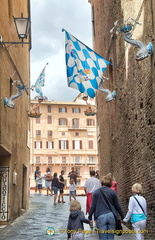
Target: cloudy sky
{"x":48,"y":17}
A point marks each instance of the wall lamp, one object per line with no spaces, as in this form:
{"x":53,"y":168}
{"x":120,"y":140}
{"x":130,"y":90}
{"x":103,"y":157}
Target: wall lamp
{"x":22,"y":28}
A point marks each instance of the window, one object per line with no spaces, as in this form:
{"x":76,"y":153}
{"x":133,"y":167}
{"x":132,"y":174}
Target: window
{"x":90,"y":144}
{"x":62,"y":109}
{"x":37,"y":120}
{"x":49,"y":109}
{"x":49,"y":119}
{"x":76,"y":133}
{"x":77,"y":159}
{"x":37,"y":160}
{"x":49,"y":145}
{"x":75,"y":122}
{"x":63,"y":159}
{"x":49,"y":133}
{"x":63,"y":144}
{"x":38,"y":132}
{"x":49,"y":160}
{"x":77,"y":144}
{"x":76,"y":110}
{"x":91,"y":159}
{"x":90,"y":122}
{"x":37,"y":144}
{"x":62,"y":121}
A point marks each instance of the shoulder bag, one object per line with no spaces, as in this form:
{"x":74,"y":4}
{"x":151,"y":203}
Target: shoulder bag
{"x":140,"y":205}
{"x":118,"y":230}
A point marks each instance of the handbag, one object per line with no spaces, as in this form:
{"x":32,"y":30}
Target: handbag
{"x":118,"y":226}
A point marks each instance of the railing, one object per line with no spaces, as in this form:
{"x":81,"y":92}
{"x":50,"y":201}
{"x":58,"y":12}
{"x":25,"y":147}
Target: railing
{"x":76,"y":127}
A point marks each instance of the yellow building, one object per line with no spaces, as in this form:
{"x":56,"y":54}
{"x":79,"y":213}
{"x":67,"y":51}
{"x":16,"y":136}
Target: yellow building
{"x":14,"y":121}
{"x":64,"y":137}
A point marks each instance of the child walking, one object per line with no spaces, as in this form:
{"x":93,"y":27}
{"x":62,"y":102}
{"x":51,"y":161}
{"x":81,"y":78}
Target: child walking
{"x":72,"y":189}
{"x":76,"y":219}
{"x":39,"y":180}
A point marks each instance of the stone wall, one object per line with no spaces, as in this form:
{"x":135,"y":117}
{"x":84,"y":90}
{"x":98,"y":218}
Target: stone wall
{"x":126,"y":126}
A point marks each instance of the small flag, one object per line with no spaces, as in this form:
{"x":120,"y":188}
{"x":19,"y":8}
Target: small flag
{"x":40,"y":82}
{"x":84,"y":66}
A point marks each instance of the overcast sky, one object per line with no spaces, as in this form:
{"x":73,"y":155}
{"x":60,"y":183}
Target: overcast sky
{"x":48,"y":17}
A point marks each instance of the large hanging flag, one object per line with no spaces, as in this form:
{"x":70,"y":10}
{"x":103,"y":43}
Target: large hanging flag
{"x":84,"y":66}
{"x":40,"y":82}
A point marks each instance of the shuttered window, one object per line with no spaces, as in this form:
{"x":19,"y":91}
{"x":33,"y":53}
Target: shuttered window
{"x":49,"y":119}
{"x":77,"y":144}
{"x":62,"y":121}
{"x":90,"y":144}
{"x":63,"y":144}
{"x":49,"y":145}
{"x":38,"y":144}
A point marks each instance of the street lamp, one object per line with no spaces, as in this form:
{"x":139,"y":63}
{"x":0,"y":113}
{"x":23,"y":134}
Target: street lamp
{"x":22,"y":28}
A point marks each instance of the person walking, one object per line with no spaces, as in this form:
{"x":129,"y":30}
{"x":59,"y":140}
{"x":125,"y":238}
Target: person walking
{"x":104,"y":217}
{"x":35,"y":177}
{"x":137,"y":211}
{"x":55,"y":186}
{"x":73,"y":175}
{"x":90,"y":186}
{"x":114,"y":183}
{"x":48,"y":180}
{"x":97,"y":174}
{"x":75,"y":222}
{"x":61,"y":187}
{"x":72,"y":189}
{"x":39,"y":180}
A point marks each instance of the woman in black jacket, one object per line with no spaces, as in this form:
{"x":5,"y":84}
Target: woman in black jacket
{"x":103,"y":214}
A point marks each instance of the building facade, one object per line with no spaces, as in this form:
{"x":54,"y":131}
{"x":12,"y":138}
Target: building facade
{"x":63,"y":137}
{"x":126,"y":126}
{"x":14,"y":122}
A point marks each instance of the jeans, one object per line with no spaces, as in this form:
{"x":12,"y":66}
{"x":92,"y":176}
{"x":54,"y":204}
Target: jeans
{"x":55,"y":189}
{"x":106,"y":222}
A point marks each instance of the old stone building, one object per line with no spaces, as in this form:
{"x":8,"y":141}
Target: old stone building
{"x":126,"y":126}
{"x":64,"y":137}
{"x":14,"y":122}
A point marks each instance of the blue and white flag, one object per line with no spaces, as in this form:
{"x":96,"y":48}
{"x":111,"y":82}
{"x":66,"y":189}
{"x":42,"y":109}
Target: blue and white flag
{"x":84,"y":66}
{"x":40,"y":82}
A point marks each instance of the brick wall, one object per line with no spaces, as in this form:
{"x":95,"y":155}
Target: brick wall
{"x":126,"y":125}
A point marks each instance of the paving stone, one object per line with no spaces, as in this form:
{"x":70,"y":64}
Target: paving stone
{"x":41,"y":215}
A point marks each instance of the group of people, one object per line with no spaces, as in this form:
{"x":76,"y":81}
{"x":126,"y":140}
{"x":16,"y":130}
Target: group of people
{"x":54,"y":184}
{"x":102,"y":203}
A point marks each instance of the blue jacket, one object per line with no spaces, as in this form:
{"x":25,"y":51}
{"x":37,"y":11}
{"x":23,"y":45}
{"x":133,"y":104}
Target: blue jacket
{"x":75,"y":221}
{"x":99,"y":206}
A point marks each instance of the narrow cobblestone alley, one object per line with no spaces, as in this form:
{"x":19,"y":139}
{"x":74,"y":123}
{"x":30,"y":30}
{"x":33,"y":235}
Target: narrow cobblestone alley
{"x":42,"y":214}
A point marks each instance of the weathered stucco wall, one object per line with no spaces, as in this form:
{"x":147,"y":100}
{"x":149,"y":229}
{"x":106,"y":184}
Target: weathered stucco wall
{"x":14,"y":123}
{"x":126,"y":125}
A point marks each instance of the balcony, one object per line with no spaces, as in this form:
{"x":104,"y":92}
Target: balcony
{"x":76,"y":127}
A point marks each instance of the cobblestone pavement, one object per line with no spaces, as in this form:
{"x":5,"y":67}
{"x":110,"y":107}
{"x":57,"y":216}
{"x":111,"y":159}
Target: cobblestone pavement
{"x":42,"y":214}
